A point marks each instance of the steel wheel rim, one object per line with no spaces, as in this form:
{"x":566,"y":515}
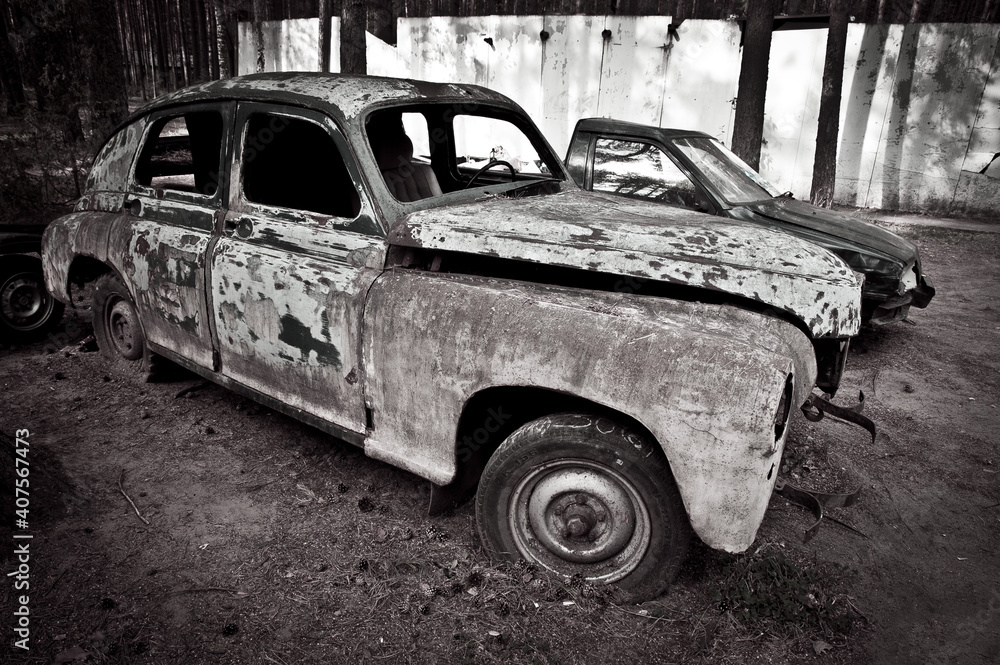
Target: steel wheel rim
{"x":24,"y":303}
{"x":579,"y":517}
{"x":122,"y":330}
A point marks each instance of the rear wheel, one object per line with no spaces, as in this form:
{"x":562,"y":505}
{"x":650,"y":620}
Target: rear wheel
{"x":27,"y":310}
{"x":117,"y":327}
{"x":581,"y":495}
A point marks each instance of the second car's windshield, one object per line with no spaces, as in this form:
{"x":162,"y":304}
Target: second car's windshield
{"x":731,"y":177}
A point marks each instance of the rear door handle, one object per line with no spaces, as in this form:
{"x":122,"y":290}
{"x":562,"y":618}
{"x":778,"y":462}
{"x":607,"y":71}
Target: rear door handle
{"x":242,"y":227}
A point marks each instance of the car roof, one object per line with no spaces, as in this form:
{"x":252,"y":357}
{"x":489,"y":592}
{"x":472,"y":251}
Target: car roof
{"x":610,"y":126}
{"x":340,"y":95}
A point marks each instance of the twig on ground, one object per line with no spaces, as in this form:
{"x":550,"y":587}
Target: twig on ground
{"x":860,"y":613}
{"x":122,"y":490}
{"x":893,"y":502}
{"x":846,"y":526}
{"x":201,"y":589}
{"x":54,"y":583}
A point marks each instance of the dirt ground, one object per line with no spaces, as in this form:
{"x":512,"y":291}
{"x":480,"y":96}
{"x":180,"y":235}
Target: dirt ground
{"x":255,"y":539}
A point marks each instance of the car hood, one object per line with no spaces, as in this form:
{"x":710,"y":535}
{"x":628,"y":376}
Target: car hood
{"x":844,"y":228}
{"x":648,"y":241}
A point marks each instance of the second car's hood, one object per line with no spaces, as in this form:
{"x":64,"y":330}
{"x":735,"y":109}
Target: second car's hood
{"x":648,"y":241}
{"x":846,"y":229}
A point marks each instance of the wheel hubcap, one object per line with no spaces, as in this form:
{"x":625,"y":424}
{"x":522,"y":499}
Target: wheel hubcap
{"x":580,"y":517}
{"x":122,"y":329}
{"x":24,"y":302}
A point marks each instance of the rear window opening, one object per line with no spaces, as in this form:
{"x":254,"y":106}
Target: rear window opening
{"x":183,"y":153}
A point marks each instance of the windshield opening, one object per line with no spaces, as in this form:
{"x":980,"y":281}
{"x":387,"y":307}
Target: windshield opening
{"x":729,"y":175}
{"x":429,"y":151}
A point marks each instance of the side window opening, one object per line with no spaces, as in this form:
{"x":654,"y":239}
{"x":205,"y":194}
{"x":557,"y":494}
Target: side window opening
{"x":641,"y":170}
{"x":183,"y":153}
{"x":294,"y":163}
{"x":402,"y":148}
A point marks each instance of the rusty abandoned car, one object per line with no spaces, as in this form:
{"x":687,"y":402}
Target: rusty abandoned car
{"x":693,"y":170}
{"x":408,"y":266}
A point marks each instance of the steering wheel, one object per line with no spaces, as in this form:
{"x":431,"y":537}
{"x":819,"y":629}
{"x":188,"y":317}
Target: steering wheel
{"x":490,"y":164}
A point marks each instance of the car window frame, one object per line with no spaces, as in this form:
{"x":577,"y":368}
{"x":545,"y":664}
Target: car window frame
{"x":216,"y":201}
{"x":442,"y":122}
{"x":365,"y":221}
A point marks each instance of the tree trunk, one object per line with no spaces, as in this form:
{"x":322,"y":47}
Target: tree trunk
{"x":10,"y":67}
{"x":221,"y":45}
{"x":748,"y":126}
{"x":106,"y":80}
{"x":353,"y":56}
{"x":381,"y":20}
{"x":138,"y":46}
{"x":828,"y":130}
{"x":147,"y":38}
{"x":160,"y":28}
{"x":203,"y":50}
{"x":181,"y":40}
{"x":324,"y":35}
{"x":258,"y":32}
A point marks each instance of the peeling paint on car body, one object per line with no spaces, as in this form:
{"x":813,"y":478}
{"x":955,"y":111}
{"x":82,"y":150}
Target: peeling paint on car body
{"x":334,"y":322}
{"x":708,"y":397}
{"x":647,"y":241}
{"x":882,"y":256}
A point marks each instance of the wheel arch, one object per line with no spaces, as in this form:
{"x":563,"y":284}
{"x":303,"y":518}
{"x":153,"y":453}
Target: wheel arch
{"x":479,"y":433}
{"x":86,"y":270}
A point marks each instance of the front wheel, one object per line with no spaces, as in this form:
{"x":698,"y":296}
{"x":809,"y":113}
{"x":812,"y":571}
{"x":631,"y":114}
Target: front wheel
{"x":581,"y":495}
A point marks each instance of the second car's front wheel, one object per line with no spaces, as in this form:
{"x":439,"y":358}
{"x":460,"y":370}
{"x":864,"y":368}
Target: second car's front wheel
{"x":582,"y":496}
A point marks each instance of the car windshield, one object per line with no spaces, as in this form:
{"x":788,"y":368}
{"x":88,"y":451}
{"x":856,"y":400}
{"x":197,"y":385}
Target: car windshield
{"x":432,"y":152}
{"x":729,"y":175}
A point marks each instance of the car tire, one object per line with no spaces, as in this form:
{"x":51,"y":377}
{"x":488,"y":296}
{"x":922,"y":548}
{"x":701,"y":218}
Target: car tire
{"x":580,"y":495}
{"x":118,"y":329}
{"x":27,"y":310}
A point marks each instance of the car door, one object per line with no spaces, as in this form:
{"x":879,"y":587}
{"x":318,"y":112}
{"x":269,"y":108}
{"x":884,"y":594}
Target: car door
{"x":176,"y":191}
{"x":289,"y":275}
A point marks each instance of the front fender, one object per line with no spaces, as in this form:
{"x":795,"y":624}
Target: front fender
{"x":704,"y":379}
